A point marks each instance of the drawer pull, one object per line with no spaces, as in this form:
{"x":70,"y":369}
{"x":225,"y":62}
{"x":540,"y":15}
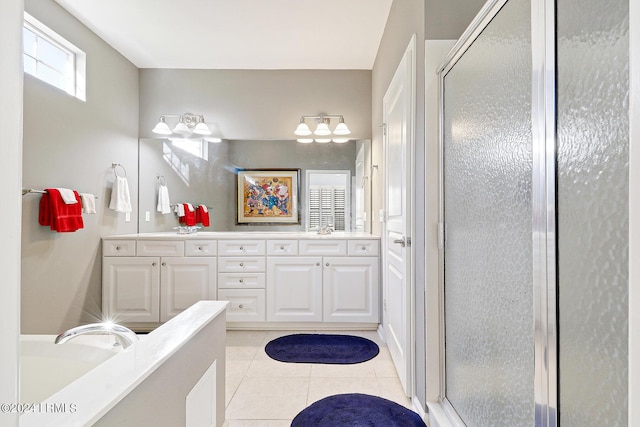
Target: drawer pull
{"x":242,"y":264}
{"x":282,"y":248}
{"x":241,"y":306}
{"x":153,"y":264}
{"x":199,"y":248}
{"x":318,"y":264}
{"x":241,"y":280}
{"x":327,"y":264}
{"x":117,"y":248}
{"x":364,"y":248}
{"x":164,"y":264}
{"x":241,"y":248}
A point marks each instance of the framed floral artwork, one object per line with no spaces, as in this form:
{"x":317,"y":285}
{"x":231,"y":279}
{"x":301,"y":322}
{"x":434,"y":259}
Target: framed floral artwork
{"x":268,"y":196}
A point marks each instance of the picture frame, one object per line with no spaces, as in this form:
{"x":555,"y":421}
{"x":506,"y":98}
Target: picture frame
{"x":268,"y":196}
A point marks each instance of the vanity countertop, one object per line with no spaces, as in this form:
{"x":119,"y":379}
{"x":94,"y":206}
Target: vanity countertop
{"x":228,"y":235}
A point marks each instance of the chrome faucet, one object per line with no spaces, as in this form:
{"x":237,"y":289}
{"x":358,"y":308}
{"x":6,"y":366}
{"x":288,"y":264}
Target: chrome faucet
{"x":326,"y":229}
{"x":124,"y":336}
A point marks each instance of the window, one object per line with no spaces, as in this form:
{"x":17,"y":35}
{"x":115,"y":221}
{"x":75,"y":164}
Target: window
{"x":52,"y":59}
{"x":328,"y":198}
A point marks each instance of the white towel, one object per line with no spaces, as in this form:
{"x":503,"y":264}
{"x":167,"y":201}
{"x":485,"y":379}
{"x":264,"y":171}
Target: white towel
{"x":190,"y":207}
{"x":164,"y":205}
{"x":88,"y":203}
{"x":180,"y":209}
{"x":120,"y":197}
{"x":67,"y":196}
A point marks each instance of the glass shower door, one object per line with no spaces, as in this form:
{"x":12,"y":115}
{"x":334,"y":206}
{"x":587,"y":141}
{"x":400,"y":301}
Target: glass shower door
{"x":593,"y":206}
{"x":488,"y":291}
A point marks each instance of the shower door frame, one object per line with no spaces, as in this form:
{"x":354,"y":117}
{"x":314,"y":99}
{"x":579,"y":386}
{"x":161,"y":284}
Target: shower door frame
{"x":543,"y":115}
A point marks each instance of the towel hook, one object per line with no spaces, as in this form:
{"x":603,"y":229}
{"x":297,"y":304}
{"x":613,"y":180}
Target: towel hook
{"x":161,"y":179}
{"x":115,"y":171}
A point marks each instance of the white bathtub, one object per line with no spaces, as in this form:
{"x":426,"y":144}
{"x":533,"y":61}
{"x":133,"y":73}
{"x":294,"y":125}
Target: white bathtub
{"x":46,"y":367}
{"x":86,"y":382}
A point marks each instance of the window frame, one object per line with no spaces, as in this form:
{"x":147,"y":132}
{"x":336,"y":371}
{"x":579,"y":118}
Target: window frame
{"x":75,"y":72}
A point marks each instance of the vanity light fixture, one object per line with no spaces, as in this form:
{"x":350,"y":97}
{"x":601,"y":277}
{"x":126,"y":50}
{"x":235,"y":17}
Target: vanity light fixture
{"x":322,"y":130}
{"x":187,"y":124}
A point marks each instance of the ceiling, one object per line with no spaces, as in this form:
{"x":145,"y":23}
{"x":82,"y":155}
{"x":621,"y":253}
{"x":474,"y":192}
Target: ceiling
{"x":238,"y":34}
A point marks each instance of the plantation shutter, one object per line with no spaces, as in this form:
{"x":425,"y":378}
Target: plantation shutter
{"x":327,"y":207}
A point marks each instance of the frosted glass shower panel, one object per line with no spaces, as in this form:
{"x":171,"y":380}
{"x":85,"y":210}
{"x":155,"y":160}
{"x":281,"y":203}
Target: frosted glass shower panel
{"x":593,"y":223}
{"x":489,"y":320}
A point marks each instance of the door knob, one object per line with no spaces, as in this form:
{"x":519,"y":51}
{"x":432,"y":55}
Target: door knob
{"x":401,"y":242}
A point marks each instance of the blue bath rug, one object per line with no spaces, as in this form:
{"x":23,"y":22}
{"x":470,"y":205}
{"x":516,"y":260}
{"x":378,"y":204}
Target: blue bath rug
{"x":322,"y":348}
{"x":356,"y":410}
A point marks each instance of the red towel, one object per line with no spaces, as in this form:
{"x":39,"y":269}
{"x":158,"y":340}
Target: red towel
{"x":189,"y":218}
{"x":202,"y":216}
{"x":55,"y":213}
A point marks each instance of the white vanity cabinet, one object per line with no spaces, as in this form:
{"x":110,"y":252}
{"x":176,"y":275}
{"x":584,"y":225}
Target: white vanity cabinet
{"x":241,"y":279}
{"x":155,"y":281}
{"x":281,"y":280}
{"x":324,"y":282}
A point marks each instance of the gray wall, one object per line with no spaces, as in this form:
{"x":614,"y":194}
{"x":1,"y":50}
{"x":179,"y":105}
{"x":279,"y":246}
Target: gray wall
{"x":256,"y":104}
{"x":70,"y":143}
{"x":10,"y":176}
{"x":212,"y":182}
{"x":446,"y":20}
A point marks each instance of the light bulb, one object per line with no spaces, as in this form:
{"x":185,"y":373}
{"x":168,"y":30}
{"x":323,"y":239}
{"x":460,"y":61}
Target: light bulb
{"x":201,"y":128}
{"x":305,"y":140}
{"x":182,"y":129}
{"x":341,"y":129}
{"x":322,"y":129}
{"x":162,"y":128}
{"x":302,"y":129}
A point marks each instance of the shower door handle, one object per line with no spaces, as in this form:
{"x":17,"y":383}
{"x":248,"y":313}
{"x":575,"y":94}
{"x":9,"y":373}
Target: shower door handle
{"x":401,"y":242}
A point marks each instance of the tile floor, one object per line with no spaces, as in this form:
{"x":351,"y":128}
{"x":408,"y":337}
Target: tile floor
{"x":262,"y":392}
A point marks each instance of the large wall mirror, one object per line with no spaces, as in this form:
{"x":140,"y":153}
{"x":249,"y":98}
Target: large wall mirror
{"x":204,"y":173}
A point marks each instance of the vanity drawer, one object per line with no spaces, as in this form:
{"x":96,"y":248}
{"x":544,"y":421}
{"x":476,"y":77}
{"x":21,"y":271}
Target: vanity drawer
{"x":119,"y":248}
{"x":241,"y":280}
{"x":159,"y":248}
{"x":363,"y":247}
{"x":241,"y":247}
{"x":282,"y":247}
{"x":323,"y":247}
{"x":200,"y":248}
{"x":241,"y":264}
{"x":245,"y":305}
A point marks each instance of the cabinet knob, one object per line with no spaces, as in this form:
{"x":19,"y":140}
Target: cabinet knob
{"x":242,"y":264}
{"x":164,"y":264}
{"x":241,"y":306}
{"x":199,"y":248}
{"x":327,"y":264}
{"x":318,"y":264}
{"x":117,"y":248}
{"x":364,"y":248}
{"x":241,"y":248}
{"x":282,"y":248}
{"x":241,"y":280}
{"x":154,"y":264}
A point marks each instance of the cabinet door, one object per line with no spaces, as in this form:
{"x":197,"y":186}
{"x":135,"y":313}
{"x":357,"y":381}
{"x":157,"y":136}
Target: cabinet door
{"x":185,"y":281}
{"x":351,"y":291}
{"x":294,"y":289}
{"x":130,"y":289}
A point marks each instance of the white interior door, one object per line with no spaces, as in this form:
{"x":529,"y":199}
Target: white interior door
{"x":398,"y":114}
